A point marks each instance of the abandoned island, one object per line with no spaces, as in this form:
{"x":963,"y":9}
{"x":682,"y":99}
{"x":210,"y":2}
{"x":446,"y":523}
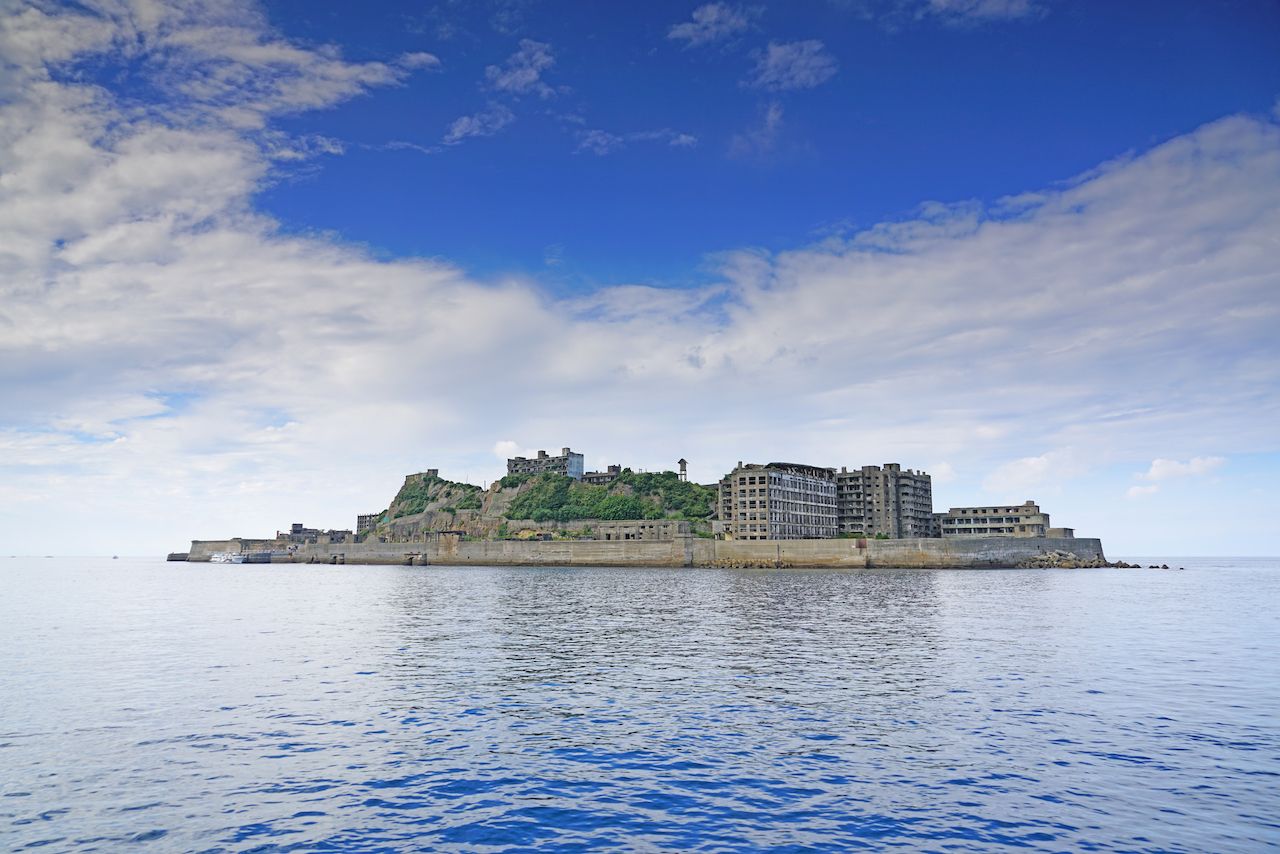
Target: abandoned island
{"x":548,"y":511}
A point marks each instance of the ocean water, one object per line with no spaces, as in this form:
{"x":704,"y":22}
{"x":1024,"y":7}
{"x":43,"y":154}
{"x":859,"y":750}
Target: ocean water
{"x":194,"y":707}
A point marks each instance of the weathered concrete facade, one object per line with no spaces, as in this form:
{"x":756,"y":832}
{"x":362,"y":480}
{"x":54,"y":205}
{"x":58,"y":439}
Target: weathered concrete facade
{"x":567,"y":463}
{"x":1024,"y":520}
{"x":602,"y":478}
{"x":922,"y":553}
{"x":885,"y":500}
{"x":639,"y":529}
{"x":778,"y":501}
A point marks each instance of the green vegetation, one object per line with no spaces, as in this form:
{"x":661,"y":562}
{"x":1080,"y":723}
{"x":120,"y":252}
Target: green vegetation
{"x":511,"y":481}
{"x":555,"y":497}
{"x":682,"y":499}
{"x":414,"y":496}
{"x":420,"y":492}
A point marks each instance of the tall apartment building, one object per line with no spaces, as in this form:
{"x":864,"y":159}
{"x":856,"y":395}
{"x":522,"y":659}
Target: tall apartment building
{"x":567,"y":463}
{"x":778,"y":501}
{"x":885,"y":500}
{"x":1025,"y":520}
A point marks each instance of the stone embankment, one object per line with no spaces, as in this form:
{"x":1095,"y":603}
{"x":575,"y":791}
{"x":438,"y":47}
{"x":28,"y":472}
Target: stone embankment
{"x":739,"y":563}
{"x":1058,"y":559}
{"x":450,"y":549}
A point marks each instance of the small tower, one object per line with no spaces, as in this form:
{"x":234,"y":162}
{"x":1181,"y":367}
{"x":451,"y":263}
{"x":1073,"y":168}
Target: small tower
{"x":684,"y":469}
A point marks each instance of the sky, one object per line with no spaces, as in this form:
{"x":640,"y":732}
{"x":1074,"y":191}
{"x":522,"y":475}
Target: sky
{"x":258,"y":261}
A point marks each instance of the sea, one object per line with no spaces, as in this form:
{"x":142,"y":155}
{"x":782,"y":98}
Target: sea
{"x":153,"y":706}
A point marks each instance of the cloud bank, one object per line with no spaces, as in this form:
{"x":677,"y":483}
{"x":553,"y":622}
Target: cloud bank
{"x":173,"y":364}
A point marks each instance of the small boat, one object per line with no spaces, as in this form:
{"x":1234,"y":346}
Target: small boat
{"x":226,"y":557}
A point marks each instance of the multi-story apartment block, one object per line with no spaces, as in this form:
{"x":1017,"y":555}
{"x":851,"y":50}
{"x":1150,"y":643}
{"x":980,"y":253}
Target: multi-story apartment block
{"x":367,"y":522}
{"x":778,"y":501}
{"x":1025,"y":520}
{"x":885,"y":500}
{"x":567,"y":463}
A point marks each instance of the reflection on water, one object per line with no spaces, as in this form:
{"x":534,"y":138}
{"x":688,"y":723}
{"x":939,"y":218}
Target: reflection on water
{"x":236,"y":708}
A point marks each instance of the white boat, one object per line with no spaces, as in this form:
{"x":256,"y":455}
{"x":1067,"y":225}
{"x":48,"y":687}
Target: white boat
{"x":226,"y":557}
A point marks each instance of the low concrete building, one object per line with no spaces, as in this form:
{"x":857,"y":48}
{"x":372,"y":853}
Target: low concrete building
{"x":567,"y":463}
{"x":778,"y":501}
{"x":641,"y":529}
{"x":301,"y":535}
{"x":602,"y":478}
{"x":1023,"y":520}
{"x":885,"y":500}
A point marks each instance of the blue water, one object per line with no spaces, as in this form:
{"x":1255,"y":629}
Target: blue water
{"x":177,"y":707}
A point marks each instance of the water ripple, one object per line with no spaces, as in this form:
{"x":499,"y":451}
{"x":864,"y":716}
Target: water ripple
{"x":279,"y":708}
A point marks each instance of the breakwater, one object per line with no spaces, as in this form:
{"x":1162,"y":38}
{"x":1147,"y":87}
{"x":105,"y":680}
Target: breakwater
{"x":926,"y":553}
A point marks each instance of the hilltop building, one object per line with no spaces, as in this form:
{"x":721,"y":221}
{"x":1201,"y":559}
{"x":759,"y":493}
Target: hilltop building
{"x":567,"y":463}
{"x":778,"y":501}
{"x":885,"y":500}
{"x":602,"y":478}
{"x":1025,"y":520}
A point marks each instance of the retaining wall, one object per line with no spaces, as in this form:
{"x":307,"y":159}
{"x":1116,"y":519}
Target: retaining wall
{"x":682,"y":551}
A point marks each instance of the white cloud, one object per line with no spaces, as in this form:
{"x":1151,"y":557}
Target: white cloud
{"x":170,"y":355}
{"x":712,"y":22}
{"x":1048,"y":470}
{"x":522,"y":72}
{"x":487,"y":122}
{"x":895,"y":13}
{"x":978,"y":10}
{"x":792,"y":65}
{"x":942,"y":473}
{"x":1165,"y":469}
{"x":601,"y":142}
{"x":762,"y":139}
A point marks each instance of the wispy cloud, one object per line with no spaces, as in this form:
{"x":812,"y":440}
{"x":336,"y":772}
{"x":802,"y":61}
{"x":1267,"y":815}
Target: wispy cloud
{"x":713,"y":22}
{"x":761,"y":139}
{"x":522,"y":73}
{"x":487,"y":122}
{"x":1045,"y":470}
{"x":600,"y":142}
{"x":978,"y":10}
{"x":792,"y":65}
{"x":895,"y":13}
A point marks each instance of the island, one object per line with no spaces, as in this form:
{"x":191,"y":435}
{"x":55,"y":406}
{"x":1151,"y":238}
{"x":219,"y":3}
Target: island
{"x":548,"y":511}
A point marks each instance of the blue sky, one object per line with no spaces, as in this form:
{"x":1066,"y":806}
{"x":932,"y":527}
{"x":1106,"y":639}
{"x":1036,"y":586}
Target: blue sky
{"x":258,"y":261}
{"x":945,"y":107}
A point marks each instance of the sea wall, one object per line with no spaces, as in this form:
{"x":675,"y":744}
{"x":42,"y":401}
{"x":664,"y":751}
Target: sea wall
{"x":682,"y":551}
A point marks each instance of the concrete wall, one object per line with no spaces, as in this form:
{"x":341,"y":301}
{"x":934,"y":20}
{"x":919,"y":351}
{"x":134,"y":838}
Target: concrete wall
{"x":683,"y":551}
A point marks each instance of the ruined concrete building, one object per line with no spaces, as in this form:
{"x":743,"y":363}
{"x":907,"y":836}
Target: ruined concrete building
{"x":1024,"y":520}
{"x":778,"y":501}
{"x":567,"y":463}
{"x":885,"y":500}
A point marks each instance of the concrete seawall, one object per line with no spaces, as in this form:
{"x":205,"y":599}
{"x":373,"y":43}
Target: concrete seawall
{"x":932,"y":553}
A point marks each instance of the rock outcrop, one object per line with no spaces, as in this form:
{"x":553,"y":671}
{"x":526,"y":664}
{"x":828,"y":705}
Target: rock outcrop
{"x":1058,"y":559}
